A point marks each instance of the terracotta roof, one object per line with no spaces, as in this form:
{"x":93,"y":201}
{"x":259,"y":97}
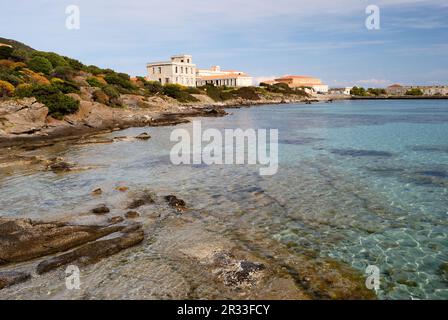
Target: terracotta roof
{"x":296,"y":77}
{"x":222,"y":76}
{"x":395,"y":86}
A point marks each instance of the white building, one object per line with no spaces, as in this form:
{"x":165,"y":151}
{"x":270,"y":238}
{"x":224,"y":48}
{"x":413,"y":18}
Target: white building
{"x":180,"y":70}
{"x":218,"y":77}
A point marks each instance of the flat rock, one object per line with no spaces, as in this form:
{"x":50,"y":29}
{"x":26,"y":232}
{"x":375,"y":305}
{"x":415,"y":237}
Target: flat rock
{"x":9,"y":278}
{"x":95,"y":251}
{"x":24,"y":239}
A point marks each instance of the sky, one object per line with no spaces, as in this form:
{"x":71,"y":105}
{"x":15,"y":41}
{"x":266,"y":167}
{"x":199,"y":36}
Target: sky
{"x":265,"y":38}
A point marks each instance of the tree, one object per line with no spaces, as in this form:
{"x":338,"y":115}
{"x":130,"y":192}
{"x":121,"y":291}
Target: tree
{"x":414,"y":92}
{"x":358,"y":91}
{"x":40,"y":64}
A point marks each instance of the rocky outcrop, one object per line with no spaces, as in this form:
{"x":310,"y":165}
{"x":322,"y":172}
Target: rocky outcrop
{"x":175,"y":202}
{"x":24,"y":239}
{"x":9,"y":278}
{"x":23,"y":116}
{"x":143,"y":136}
{"x":143,"y":199}
{"x":95,"y":251}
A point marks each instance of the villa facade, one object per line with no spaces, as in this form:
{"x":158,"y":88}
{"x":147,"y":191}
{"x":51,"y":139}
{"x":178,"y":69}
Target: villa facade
{"x":179,"y":70}
{"x":301,"y":82}
{"x":218,"y":77}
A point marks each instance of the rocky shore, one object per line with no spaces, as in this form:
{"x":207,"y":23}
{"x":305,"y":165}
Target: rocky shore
{"x":158,"y":248}
{"x":26,"y":121}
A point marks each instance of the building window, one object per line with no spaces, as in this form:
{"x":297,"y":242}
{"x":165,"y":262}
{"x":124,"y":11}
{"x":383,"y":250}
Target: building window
{"x":160,"y":80}
{"x":167,"y":80}
{"x":154,"y":70}
{"x":182,"y":69}
{"x":160,"y":69}
{"x":188,"y":60}
{"x":182,"y":60}
{"x":176,"y":69}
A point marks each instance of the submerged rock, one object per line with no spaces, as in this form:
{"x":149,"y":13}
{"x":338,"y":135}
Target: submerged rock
{"x":9,"y":278}
{"x":60,"y":166}
{"x":142,"y":200}
{"x":97,"y":192}
{"x":132,"y":214}
{"x":175,"y":202}
{"x":101,"y":210}
{"x":143,"y":136}
{"x":115,"y":220}
{"x":24,"y":239}
{"x":443,"y":271}
{"x":95,"y":251}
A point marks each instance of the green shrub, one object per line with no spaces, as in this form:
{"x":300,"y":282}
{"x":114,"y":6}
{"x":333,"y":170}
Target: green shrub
{"x":58,"y":104}
{"x":36,"y":90}
{"x":11,"y":77}
{"x":63,"y":72}
{"x":177,"y":92}
{"x":153,"y":87}
{"x":20,"y":55}
{"x":93,"y":70}
{"x":55,"y":59}
{"x":414,"y":92}
{"x":111,"y":91}
{"x":5,"y":52}
{"x":74,"y":64}
{"x":121,"y":80}
{"x":193,"y":90}
{"x":94,"y":82}
{"x":65,"y":86}
{"x":40,"y":64}
{"x":248,"y":93}
{"x":216,"y":93}
{"x":376,"y":91}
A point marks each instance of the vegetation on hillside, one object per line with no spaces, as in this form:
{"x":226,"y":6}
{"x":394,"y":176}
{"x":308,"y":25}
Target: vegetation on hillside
{"x":52,"y":79}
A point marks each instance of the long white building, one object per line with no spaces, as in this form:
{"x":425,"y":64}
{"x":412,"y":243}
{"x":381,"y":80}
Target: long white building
{"x":218,"y":77}
{"x":180,"y":70}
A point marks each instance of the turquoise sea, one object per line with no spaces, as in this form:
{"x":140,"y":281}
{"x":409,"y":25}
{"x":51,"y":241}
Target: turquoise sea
{"x":363,"y":182}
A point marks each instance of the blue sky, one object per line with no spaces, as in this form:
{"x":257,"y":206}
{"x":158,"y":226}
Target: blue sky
{"x":265,"y":38}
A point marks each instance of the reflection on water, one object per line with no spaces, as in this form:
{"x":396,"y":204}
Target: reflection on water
{"x":364,"y":182}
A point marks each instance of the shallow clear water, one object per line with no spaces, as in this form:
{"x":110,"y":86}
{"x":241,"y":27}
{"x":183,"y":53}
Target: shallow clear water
{"x":364,"y":182}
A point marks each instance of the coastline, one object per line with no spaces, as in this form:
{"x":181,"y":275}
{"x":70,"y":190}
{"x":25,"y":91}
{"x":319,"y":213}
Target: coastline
{"x":93,"y":118}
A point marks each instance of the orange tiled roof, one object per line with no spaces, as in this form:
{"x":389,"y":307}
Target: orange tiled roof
{"x":296,"y":77}
{"x":222,"y":76}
